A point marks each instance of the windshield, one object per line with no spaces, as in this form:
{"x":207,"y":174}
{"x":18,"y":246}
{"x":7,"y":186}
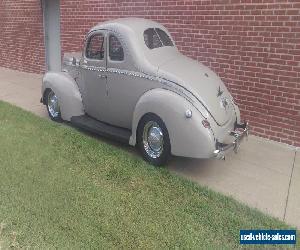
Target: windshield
{"x":155,"y":38}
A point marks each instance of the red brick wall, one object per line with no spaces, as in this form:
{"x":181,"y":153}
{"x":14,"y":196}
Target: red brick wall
{"x":21,"y":35}
{"x":254,"y":45}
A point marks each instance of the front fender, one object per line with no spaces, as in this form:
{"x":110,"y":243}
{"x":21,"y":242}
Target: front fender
{"x":188,"y":137}
{"x":66,"y":89}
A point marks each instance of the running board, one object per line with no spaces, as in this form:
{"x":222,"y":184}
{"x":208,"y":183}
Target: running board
{"x":92,"y":125}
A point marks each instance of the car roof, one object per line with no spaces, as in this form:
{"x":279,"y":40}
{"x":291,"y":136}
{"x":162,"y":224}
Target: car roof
{"x":135,"y":24}
{"x":131,"y":31}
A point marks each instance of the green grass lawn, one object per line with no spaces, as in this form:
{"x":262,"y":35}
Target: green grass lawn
{"x":61,"y":188}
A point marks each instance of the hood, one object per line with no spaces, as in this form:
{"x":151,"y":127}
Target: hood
{"x":202,"y":82}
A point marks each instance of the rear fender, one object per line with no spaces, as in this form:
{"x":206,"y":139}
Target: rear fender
{"x":66,"y":89}
{"x":188,"y":137}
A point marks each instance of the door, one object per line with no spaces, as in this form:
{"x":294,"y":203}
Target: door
{"x":121,"y":99}
{"x":94,"y":87}
{"x":124,"y":89}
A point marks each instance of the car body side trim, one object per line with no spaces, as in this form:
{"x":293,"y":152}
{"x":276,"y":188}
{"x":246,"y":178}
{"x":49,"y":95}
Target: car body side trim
{"x":151,"y":78}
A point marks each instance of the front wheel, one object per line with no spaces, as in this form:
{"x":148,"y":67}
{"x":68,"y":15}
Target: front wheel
{"x":153,"y":140}
{"x":52,"y":105}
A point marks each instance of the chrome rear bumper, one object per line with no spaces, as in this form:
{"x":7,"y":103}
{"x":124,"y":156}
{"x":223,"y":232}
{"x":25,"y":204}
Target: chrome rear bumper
{"x":240,"y":132}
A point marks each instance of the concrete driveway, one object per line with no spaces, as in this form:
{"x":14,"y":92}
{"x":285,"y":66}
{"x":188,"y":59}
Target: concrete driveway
{"x":264,"y":174}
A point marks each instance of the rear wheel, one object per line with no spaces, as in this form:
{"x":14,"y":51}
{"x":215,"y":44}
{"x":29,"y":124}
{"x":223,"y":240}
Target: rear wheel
{"x":153,"y":140}
{"x":52,"y":105}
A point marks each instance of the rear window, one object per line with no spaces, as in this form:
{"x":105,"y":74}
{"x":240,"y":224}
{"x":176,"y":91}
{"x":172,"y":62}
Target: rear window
{"x":165,"y":39}
{"x":155,"y":38}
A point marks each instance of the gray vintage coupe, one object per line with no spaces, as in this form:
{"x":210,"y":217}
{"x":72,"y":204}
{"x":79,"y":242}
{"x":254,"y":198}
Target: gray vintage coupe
{"x":131,"y":83}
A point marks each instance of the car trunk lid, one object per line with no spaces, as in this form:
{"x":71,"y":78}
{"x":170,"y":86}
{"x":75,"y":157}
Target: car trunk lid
{"x":202,"y":82}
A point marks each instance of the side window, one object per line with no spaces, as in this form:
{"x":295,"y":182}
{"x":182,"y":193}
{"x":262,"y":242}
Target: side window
{"x":95,"y":47}
{"x":116,"y":52}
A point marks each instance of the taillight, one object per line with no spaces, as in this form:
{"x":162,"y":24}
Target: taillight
{"x":206,"y":124}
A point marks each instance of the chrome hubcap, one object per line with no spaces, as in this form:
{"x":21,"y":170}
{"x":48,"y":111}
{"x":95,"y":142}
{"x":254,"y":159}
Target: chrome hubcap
{"x":53,"y":106}
{"x":153,"y":139}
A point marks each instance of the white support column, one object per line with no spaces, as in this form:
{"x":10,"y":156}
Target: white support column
{"x":51,"y":16}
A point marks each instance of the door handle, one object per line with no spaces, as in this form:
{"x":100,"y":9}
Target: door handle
{"x":102,"y":76}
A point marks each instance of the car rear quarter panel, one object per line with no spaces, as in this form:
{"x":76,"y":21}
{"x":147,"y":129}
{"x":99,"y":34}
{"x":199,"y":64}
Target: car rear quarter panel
{"x":188,"y":137}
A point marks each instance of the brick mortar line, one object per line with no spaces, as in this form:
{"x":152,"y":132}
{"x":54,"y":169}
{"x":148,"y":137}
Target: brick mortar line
{"x":288,"y":193}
